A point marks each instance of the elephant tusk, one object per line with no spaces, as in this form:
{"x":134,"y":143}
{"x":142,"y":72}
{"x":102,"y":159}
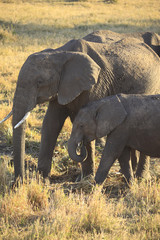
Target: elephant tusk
{"x":8,"y":116}
{"x":23,"y":119}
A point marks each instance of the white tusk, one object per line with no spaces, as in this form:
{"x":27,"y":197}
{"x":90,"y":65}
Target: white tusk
{"x":8,"y":116}
{"x":23,"y":119}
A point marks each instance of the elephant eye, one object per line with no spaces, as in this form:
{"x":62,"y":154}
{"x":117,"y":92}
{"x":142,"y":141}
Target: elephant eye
{"x":81,"y":125}
{"x":39,"y":82}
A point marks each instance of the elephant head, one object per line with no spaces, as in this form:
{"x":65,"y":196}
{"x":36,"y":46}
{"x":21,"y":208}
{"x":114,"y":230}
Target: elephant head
{"x":43,"y":76}
{"x":96,"y":120}
{"x":83,"y":131}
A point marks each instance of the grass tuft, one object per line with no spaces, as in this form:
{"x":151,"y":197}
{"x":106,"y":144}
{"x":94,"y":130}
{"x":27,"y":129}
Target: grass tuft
{"x":37,"y":196}
{"x":7,"y":35}
{"x":5,"y":175}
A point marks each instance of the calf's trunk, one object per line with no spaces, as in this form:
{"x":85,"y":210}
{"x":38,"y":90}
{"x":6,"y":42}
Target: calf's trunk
{"x":72,"y":150}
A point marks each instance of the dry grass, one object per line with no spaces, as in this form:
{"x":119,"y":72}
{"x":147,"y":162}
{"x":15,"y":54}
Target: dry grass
{"x":38,"y":211}
{"x":64,"y":209}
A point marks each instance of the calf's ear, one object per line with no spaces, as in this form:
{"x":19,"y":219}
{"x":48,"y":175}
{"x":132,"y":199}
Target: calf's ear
{"x":110,"y":114}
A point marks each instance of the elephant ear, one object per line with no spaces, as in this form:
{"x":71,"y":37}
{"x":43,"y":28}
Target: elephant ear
{"x":79,"y":74}
{"x":110,"y":114}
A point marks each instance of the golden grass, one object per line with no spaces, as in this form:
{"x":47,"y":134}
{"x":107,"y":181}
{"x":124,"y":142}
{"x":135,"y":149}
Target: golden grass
{"x":65,"y":209}
{"x":27,"y":212}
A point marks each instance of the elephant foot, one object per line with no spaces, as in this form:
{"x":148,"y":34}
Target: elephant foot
{"x":16,"y":183}
{"x":42,"y":172}
{"x":143,"y":167}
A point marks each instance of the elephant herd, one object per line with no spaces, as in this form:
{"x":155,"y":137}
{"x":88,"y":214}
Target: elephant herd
{"x":104,"y":76}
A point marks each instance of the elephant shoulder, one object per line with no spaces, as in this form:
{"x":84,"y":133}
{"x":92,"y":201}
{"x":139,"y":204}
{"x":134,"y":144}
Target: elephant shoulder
{"x":75,"y":45}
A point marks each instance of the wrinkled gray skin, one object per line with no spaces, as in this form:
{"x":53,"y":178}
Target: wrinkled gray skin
{"x":129,"y":121}
{"x":105,"y":36}
{"x":73,"y":75}
{"x":152,"y":40}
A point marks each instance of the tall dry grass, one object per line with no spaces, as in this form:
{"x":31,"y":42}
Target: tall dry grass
{"x":36,"y":211}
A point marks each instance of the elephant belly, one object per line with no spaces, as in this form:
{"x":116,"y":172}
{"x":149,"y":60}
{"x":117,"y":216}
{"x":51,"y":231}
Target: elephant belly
{"x":147,"y":142}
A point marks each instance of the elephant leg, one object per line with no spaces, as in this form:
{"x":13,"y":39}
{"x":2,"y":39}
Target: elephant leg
{"x":125,"y":163}
{"x":143,"y":166}
{"x":88,"y":165}
{"x":52,"y":125}
{"x":134,"y":160}
{"x":113,"y":149}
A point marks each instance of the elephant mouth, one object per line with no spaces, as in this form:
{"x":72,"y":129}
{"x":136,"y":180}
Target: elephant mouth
{"x":81,"y":150}
{"x":79,"y":147}
{"x":41,"y":100}
{"x":87,"y":139}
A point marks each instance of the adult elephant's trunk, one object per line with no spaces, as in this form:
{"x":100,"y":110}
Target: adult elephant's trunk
{"x":18,"y":140}
{"x":21,"y":106}
{"x":19,"y":150}
{"x":72,"y":150}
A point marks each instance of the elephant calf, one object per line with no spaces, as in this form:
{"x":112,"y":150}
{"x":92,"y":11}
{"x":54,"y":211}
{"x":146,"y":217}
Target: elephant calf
{"x":129,"y":121}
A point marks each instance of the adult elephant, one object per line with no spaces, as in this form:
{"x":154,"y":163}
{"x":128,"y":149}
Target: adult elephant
{"x":106,"y":36}
{"x":71,"y":76}
{"x":151,"y":39}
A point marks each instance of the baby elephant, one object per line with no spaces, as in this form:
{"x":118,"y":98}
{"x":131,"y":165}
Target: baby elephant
{"x":129,"y":121}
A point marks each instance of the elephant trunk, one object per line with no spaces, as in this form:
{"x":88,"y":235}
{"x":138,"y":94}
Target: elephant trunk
{"x":19,"y":150}
{"x":72,"y":150}
{"x":20,"y":107}
{"x":18,"y":142}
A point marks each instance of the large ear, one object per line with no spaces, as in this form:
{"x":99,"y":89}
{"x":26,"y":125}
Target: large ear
{"x":79,"y":73}
{"x":110,"y":114}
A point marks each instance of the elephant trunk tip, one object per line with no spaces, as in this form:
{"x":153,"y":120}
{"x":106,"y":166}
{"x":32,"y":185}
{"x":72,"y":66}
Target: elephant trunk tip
{"x":77,"y":152}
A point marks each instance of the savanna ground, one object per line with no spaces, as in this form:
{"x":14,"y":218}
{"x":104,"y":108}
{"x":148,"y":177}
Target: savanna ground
{"x":63,"y":209}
